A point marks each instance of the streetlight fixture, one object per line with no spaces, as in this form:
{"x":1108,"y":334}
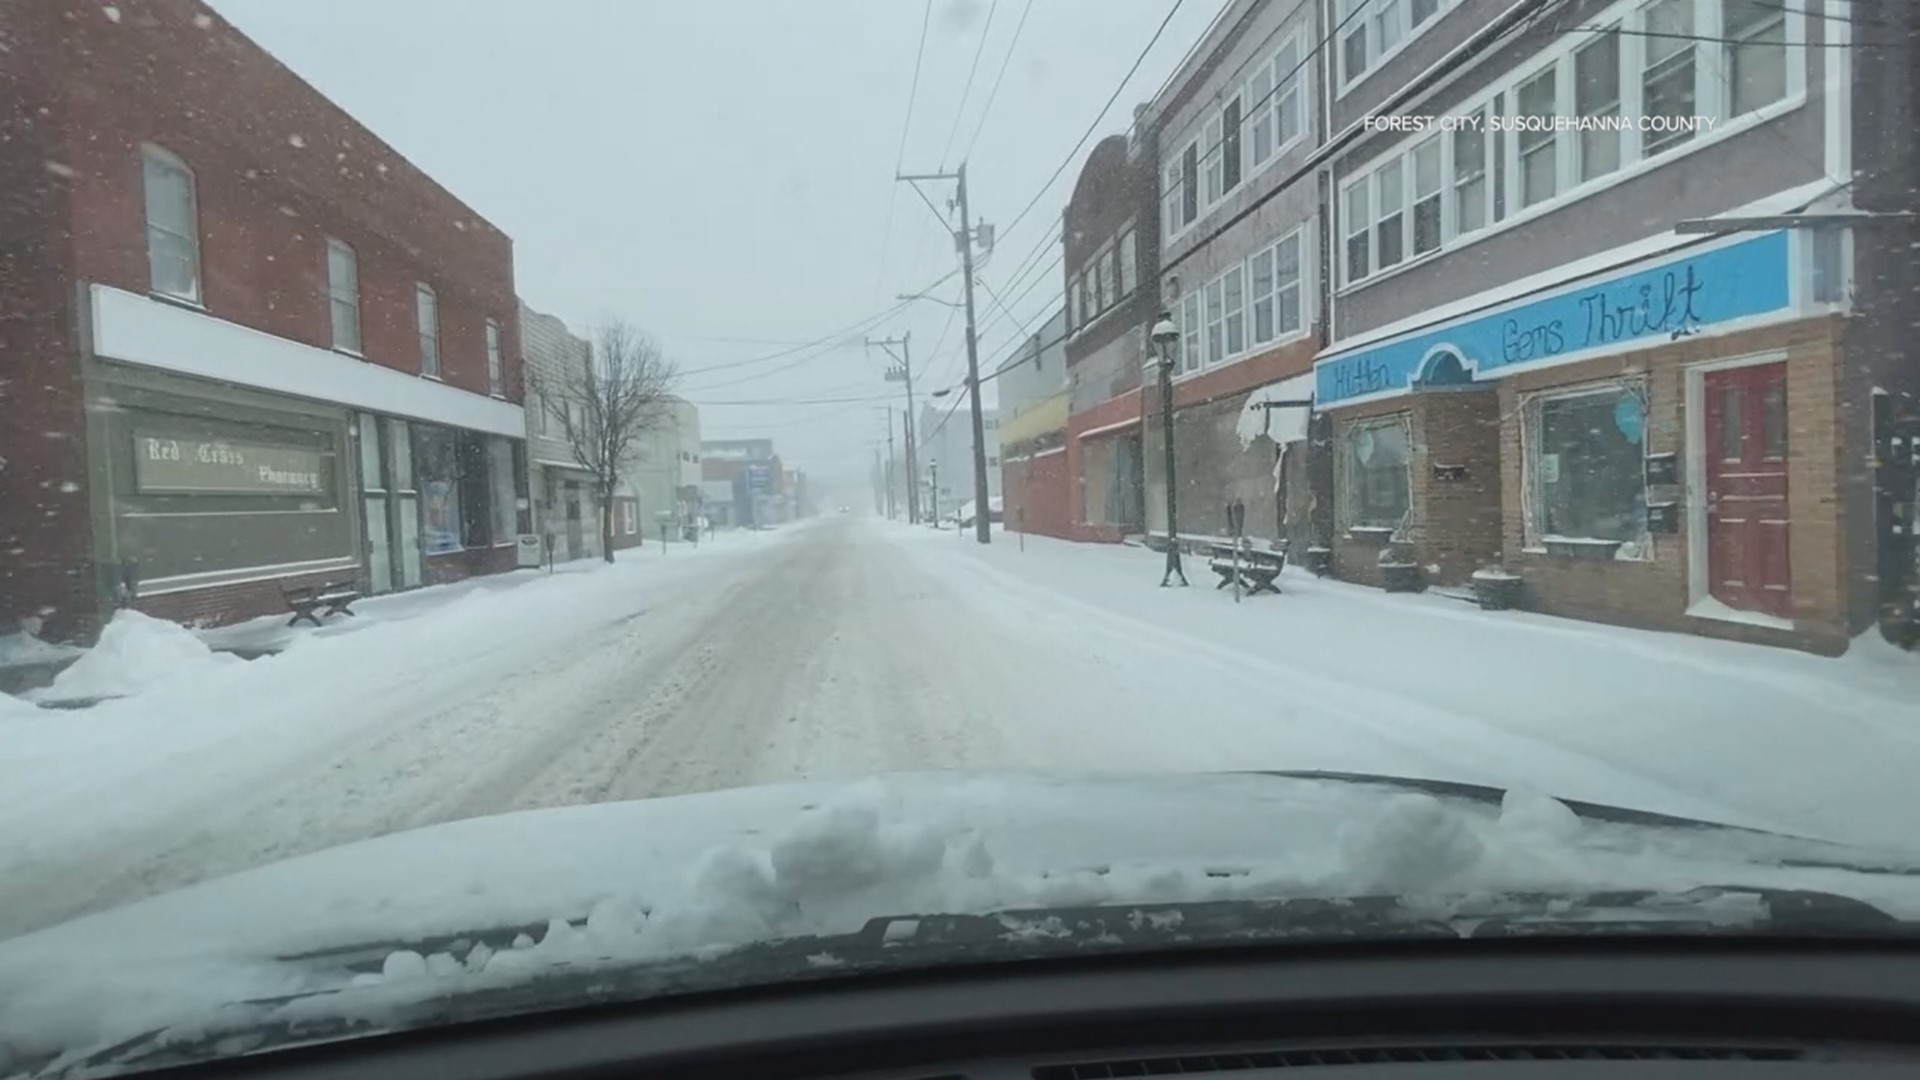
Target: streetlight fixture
{"x":923,"y":296}
{"x":1166,"y":336}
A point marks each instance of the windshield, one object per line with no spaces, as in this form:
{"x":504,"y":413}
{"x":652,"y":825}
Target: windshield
{"x":490,"y":485}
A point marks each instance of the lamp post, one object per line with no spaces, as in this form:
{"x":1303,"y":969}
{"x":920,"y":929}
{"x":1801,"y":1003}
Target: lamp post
{"x":1165,"y":337}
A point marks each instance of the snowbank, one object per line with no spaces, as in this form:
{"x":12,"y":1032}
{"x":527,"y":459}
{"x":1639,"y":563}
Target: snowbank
{"x":136,"y":653}
{"x":12,"y":708}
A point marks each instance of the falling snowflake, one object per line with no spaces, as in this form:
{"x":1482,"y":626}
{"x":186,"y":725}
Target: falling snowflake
{"x":58,"y":169}
{"x":69,"y":487}
{"x":112,"y":13}
{"x":203,"y":21}
{"x":298,"y":142}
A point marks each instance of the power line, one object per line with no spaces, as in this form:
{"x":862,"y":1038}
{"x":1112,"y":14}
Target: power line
{"x":961,"y":109}
{"x":994,"y":91}
{"x":1618,"y":31}
{"x":900,"y":155}
{"x":835,"y":338}
{"x":1091,"y":128}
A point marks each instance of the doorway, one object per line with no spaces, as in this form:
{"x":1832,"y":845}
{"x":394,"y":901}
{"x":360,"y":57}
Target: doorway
{"x":1744,"y":452}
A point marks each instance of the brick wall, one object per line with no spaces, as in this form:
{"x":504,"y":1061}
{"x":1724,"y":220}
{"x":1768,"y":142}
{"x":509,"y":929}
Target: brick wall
{"x":1035,"y":494}
{"x":232,"y":603}
{"x":278,"y":169}
{"x":1654,"y":591}
{"x":460,"y":565}
{"x":1457,"y":522}
{"x":46,"y":571}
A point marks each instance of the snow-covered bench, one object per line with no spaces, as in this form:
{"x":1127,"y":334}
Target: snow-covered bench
{"x":308,"y":600}
{"x":1257,"y":570}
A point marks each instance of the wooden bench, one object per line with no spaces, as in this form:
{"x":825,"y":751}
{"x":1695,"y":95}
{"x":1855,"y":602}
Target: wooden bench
{"x":1258,"y":570}
{"x":307,"y":601}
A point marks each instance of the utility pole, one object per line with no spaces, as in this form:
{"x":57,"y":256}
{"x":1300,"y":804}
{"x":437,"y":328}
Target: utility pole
{"x":890,"y":473}
{"x":964,"y":240}
{"x":904,"y":373}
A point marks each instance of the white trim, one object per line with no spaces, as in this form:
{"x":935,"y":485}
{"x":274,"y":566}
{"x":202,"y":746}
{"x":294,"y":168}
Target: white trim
{"x":239,"y":513}
{"x":1709,"y":72}
{"x":1719,"y":611}
{"x":1693,"y":404}
{"x":1336,"y":60}
{"x":1838,"y":96}
{"x":214,"y":579}
{"x":1042,"y":453}
{"x":136,"y":330}
{"x":1108,"y":429}
{"x":556,"y":463}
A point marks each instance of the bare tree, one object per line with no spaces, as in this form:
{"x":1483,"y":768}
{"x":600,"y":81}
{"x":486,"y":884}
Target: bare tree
{"x":624,"y":390}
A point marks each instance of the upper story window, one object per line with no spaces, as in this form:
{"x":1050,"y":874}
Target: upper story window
{"x":536,"y":413}
{"x":1102,"y":283}
{"x":496,"y":374}
{"x":1129,"y":263}
{"x":1256,"y":120}
{"x":343,"y":296}
{"x":1372,"y":30}
{"x":173,"y":226}
{"x":1253,"y":302}
{"x":1655,"y":79}
{"x":427,"y":317}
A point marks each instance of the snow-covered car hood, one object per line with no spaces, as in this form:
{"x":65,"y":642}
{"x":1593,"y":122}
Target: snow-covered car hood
{"x":690,"y":875}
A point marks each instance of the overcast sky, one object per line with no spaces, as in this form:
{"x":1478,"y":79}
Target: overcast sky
{"x":720,"y":172}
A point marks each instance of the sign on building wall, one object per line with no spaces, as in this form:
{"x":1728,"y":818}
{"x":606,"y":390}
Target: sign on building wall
{"x":170,"y":465}
{"x":1663,"y":301}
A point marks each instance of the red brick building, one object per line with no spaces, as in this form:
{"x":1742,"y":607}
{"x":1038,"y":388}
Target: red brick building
{"x":247,"y":343}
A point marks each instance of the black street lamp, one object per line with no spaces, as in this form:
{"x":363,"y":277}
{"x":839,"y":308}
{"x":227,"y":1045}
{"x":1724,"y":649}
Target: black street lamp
{"x":1165,"y":337}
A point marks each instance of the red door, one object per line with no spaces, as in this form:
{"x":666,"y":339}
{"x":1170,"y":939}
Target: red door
{"x":1747,"y":523}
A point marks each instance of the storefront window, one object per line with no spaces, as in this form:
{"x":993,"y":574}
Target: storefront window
{"x":1588,"y":465}
{"x":501,"y":473}
{"x":437,"y":468}
{"x":1374,"y":461}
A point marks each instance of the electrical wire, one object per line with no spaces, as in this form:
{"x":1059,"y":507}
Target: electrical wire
{"x":994,"y":91}
{"x":972,"y":68}
{"x":900,"y":155}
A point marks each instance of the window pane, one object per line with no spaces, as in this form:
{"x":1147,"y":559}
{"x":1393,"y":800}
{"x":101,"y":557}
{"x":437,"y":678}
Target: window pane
{"x":1230,"y":145}
{"x":1390,"y":186}
{"x":1260,"y":118}
{"x":1667,"y":82}
{"x":372,"y":476}
{"x":1216,"y":313}
{"x":1596,"y":92}
{"x":427,"y":315}
{"x":1757,"y":56}
{"x":1263,"y":296}
{"x":1422,"y":10}
{"x":1390,"y":239}
{"x":1215,"y":161}
{"x":171,"y":265}
{"x":1236,"y":310}
{"x":501,"y":472}
{"x":169,"y":195}
{"x":437,"y":459}
{"x":1469,"y":173}
{"x":1374,"y":458}
{"x":1357,"y":267}
{"x":494,"y":373}
{"x":1426,"y":194}
{"x":1357,"y":223}
{"x":1189,"y":184}
{"x":1538,"y":169}
{"x":1353,"y":52}
{"x":1590,"y":467}
{"x":1191,"y":332}
{"x":1733,"y":420}
{"x":1773,"y":420}
{"x":346,"y":325}
{"x":1286,"y":272}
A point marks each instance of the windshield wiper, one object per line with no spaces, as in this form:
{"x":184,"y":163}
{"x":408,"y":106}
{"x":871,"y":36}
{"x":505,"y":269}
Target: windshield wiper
{"x":913,"y":942}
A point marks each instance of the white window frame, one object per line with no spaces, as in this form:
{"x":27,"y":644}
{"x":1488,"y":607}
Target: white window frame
{"x":1375,"y":14}
{"x":536,"y":413}
{"x":1102,"y":282}
{"x":1212,"y":164}
{"x":343,"y":295}
{"x":1129,"y":261}
{"x":629,"y":516}
{"x":1211,"y":145}
{"x":1502,"y":150}
{"x":426,"y":321}
{"x":496,"y":366}
{"x":157,"y":157}
{"x":1438,"y":195}
{"x":1348,"y":490}
{"x":1532,"y":407}
{"x":1192,"y":354}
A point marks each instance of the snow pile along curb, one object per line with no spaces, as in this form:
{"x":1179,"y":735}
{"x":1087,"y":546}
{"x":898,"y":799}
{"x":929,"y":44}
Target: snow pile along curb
{"x":136,"y":653}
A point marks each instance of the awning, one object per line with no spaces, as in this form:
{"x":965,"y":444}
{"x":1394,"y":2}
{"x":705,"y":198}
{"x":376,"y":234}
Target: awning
{"x":1282,"y":425}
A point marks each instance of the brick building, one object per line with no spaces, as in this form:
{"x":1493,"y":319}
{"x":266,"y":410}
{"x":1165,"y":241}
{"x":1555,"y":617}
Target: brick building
{"x":1240,"y":235}
{"x":1110,"y":241}
{"x":1033,"y":395}
{"x":1531,"y":368}
{"x":246,"y":343}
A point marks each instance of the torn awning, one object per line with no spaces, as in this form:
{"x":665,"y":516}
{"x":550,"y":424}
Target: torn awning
{"x":1281,"y":425}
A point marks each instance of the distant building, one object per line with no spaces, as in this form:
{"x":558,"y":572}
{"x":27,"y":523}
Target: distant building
{"x":564,"y":512}
{"x":757,"y":477}
{"x":944,"y":434}
{"x":1033,"y":465}
{"x":666,"y":476}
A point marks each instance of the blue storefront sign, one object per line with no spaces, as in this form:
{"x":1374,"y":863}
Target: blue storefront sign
{"x":1735,"y":281}
{"x":759,"y":477}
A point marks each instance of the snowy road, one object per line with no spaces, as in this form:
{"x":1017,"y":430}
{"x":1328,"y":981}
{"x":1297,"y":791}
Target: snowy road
{"x":845,"y":647}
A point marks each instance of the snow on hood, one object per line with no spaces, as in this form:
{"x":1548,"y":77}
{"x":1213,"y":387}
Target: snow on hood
{"x":672,"y":876}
